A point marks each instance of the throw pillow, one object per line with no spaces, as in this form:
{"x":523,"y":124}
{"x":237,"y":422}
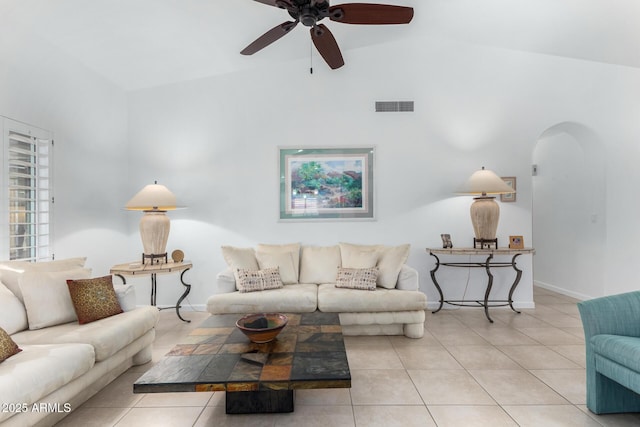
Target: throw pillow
{"x":13,"y":316}
{"x":391,"y":261}
{"x":293,"y":248}
{"x":240,"y":258}
{"x":284,"y":261}
{"x":319,"y":264}
{"x":7,"y":346}
{"x":10,"y":271}
{"x":46,"y":296}
{"x":258,"y":280}
{"x":93,"y":299}
{"x":357,"y":278}
{"x":359,"y":256}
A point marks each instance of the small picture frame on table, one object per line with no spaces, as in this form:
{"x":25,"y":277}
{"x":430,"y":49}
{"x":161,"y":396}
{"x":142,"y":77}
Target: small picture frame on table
{"x":509,"y":197}
{"x":446,"y":241}
{"x":516,"y":242}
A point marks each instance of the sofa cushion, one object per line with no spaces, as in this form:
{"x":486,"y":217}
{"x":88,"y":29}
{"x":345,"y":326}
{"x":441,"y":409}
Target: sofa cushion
{"x":10,"y":271}
{"x":337,"y":300}
{"x":390,"y":262}
{"x":107,"y":336}
{"x":46,"y":296}
{"x":281,"y":253}
{"x":13,"y":315}
{"x":40,"y":370}
{"x":621,"y":349}
{"x":319,"y":264}
{"x":299,"y":298}
{"x":93,"y":299}
{"x":7,"y":346}
{"x":357,"y":278}
{"x":283,"y":261}
{"x":244,"y":258}
{"x":258,"y":280}
{"x":359,"y":256}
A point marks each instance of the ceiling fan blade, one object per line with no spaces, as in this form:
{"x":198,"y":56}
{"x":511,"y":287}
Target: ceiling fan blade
{"x":269,"y":37}
{"x":370,"y":14}
{"x":327,"y":46}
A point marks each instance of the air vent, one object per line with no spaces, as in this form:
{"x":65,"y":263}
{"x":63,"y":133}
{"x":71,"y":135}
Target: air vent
{"x":394,"y":106}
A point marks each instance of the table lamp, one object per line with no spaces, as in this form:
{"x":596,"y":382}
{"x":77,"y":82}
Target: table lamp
{"x":154,"y":200}
{"x":485,"y":211}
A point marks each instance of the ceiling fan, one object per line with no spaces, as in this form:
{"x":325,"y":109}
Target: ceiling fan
{"x":310,"y":12}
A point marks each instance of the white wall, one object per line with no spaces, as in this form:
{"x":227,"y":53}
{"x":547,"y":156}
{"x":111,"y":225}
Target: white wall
{"x":214,"y":143}
{"x":41,"y":86}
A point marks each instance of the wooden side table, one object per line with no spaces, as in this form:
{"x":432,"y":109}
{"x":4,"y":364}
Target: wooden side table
{"x":487,"y":263}
{"x":139,"y":269}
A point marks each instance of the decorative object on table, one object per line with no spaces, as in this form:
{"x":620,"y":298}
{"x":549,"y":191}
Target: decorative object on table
{"x":262,"y":327}
{"x":509,"y":197}
{"x":446,"y":241}
{"x":177,"y":255}
{"x":154,"y":200}
{"x":485,"y":211}
{"x":516,"y":242}
{"x":326,"y":183}
{"x":310,"y":12}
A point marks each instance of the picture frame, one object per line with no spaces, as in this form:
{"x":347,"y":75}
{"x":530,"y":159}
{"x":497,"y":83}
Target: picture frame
{"x":327,"y":183}
{"x":511,"y":182}
{"x":516,"y":242}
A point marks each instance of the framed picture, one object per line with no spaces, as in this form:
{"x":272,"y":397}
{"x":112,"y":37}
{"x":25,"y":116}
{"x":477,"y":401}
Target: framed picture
{"x":516,"y":242}
{"x":327,"y":183}
{"x":511,"y":182}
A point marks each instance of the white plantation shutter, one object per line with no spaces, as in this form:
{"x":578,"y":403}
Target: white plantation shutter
{"x":27,"y":189}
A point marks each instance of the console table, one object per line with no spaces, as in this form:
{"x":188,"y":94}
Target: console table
{"x":139,"y":269}
{"x":487,"y":263}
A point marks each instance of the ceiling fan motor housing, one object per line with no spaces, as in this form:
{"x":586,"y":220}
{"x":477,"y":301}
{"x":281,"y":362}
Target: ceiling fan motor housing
{"x":309,"y":13}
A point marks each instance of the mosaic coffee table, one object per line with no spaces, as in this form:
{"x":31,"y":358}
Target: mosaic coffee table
{"x":309,"y":353}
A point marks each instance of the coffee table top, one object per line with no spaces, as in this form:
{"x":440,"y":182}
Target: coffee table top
{"x":217,"y":356}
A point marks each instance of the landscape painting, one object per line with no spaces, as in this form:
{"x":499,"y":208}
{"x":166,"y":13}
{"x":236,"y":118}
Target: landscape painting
{"x":326,"y":183}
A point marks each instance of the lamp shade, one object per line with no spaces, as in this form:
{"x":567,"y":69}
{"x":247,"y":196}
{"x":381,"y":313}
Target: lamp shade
{"x":153,"y":197}
{"x":485,"y":182}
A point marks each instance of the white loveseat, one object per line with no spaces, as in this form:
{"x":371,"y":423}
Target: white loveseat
{"x":309,"y":274}
{"x":61,"y":366}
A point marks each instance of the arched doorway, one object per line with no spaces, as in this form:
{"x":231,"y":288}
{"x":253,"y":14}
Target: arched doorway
{"x":569,"y":209}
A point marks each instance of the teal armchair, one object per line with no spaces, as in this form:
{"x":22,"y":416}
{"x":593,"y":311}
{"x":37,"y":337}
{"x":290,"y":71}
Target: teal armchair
{"x":612,"y":342}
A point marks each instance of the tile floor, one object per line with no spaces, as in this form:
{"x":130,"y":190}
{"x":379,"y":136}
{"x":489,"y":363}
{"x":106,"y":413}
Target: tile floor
{"x":523,"y":370}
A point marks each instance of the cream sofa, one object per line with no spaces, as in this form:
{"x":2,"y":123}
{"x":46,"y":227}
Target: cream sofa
{"x":61,"y":366}
{"x":395,"y":307}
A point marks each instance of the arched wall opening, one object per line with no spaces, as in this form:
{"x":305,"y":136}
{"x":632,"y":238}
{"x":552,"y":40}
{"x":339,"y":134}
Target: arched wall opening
{"x":569,"y":211}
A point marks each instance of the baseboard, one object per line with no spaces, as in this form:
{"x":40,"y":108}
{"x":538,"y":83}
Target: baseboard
{"x":576,"y":295}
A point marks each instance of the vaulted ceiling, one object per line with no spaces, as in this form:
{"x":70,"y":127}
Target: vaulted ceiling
{"x":143,"y":43}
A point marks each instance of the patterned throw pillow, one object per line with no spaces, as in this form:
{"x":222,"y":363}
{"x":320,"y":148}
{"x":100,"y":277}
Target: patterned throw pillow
{"x":7,"y":347}
{"x":94,"y":299}
{"x":357,"y":278}
{"x":258,"y":280}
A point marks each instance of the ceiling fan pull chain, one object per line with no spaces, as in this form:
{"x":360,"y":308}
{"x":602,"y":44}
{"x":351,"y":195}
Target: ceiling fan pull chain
{"x":310,"y":56}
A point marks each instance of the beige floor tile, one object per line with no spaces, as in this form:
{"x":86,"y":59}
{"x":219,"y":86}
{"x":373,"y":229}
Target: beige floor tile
{"x":312,"y":416}
{"x":560,"y":320}
{"x":575,"y":353}
{"x":323,"y":397}
{"x":118,"y":394}
{"x":482,"y":357}
{"x":517,"y":388}
{"x":555,"y":299}
{"x":458,"y":336}
{"x":550,"y":416}
{"x":93,"y":417}
{"x":158,"y":400}
{"x":449,"y":388}
{"x":470,"y":416}
{"x":522,"y":320}
{"x":551,"y":336}
{"x":368,"y":357}
{"x":537,"y":357}
{"x":577,"y":331}
{"x":497,"y":335}
{"x":216,"y":416}
{"x":427,"y":358}
{"x":367,"y":341}
{"x":613,"y":420}
{"x":392,"y":416}
{"x":569,"y":383}
{"x":569,"y":308}
{"x":428,"y":340}
{"x":166,"y":417}
{"x":437,"y":320}
{"x":383,"y":387}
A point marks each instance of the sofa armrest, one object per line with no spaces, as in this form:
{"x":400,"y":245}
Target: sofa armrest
{"x":614,"y":315}
{"x":408,"y":279}
{"x":126,"y":296}
{"x":226,"y":281}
